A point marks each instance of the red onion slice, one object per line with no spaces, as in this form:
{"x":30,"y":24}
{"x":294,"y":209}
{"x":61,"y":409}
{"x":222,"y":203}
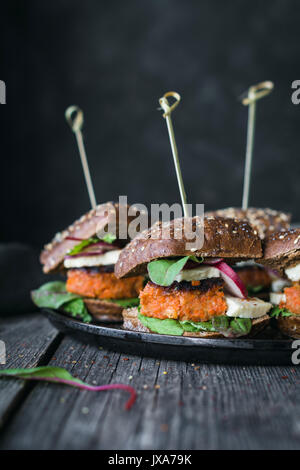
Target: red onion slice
{"x":75,"y":239}
{"x":233,"y":283}
{"x":274,"y":275}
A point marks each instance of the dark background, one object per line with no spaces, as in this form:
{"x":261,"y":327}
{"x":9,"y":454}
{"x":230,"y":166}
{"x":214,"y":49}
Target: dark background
{"x":115,"y":59}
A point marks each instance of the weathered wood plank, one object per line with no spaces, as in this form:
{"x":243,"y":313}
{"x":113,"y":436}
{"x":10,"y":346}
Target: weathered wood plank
{"x":188,"y":407}
{"x":28,"y":340}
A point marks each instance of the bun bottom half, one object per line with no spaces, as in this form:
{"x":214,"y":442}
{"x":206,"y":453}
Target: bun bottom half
{"x":289,"y":326}
{"x":131,"y":322}
{"x":102,"y":310}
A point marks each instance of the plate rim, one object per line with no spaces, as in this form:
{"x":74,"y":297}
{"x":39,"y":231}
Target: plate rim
{"x":119,"y":333}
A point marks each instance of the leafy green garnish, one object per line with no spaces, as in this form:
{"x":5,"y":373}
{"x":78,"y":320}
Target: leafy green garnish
{"x":77,"y":309}
{"x":134,"y":302}
{"x":164,"y":327}
{"x":164,"y":271}
{"x":43,"y":372}
{"x":221,"y":324}
{"x":54,"y":295}
{"x":188,"y":326}
{"x":109,"y":238}
{"x":252,"y":290}
{"x":83,"y":244}
{"x":60,"y":375}
{"x":277,"y":311}
{"x":241,"y":326}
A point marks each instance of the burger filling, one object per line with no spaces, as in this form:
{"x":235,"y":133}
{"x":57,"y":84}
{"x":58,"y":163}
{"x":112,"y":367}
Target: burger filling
{"x":102,"y":285}
{"x":255,"y":277}
{"x":106,"y":259}
{"x":195,"y":299}
{"x":287,"y":303}
{"x":90,"y":275}
{"x":293,"y":273}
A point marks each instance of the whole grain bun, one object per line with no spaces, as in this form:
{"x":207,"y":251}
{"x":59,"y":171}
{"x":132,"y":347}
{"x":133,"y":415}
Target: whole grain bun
{"x":223,"y":238}
{"x":87,"y":226}
{"x":131,"y":322}
{"x":290,"y":326}
{"x":265,"y":221}
{"x":282,"y":250}
{"x":103,"y":310}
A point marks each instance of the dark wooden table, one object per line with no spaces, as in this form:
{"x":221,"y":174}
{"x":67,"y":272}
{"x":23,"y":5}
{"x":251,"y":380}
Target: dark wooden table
{"x":179,"y":405}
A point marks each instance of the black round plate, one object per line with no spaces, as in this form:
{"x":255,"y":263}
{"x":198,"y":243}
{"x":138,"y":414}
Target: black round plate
{"x":264,"y":350}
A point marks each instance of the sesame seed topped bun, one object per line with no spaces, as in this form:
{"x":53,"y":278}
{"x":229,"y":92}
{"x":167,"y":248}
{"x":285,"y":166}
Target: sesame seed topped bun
{"x":87,"y":226}
{"x":265,"y":221}
{"x":282,"y":249}
{"x":223,"y":238}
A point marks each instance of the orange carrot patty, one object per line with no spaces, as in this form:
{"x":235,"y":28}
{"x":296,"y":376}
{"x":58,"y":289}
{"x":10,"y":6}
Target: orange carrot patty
{"x":292,"y":302}
{"x":101,"y":285}
{"x":183,"y":301}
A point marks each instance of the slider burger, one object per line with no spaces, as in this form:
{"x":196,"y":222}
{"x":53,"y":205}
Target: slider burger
{"x":282,"y":252}
{"x":194,"y":293}
{"x":258,"y":280}
{"x":88,"y":263}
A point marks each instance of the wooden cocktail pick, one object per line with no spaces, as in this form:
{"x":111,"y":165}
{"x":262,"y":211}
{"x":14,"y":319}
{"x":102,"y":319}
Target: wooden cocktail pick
{"x":254,"y":93}
{"x":167,"y":108}
{"x":74,"y":117}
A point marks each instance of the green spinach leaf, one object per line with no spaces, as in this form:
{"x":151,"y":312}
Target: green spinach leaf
{"x":78,"y":309}
{"x":164,"y":271}
{"x":163,"y":327}
{"x":52,"y":295}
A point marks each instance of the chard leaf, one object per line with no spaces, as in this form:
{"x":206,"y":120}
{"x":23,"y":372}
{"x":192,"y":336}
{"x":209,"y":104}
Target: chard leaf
{"x":83,"y":244}
{"x":164,"y":271}
{"x":220,"y":323}
{"x":44,"y":372}
{"x":60,"y":375}
{"x":163,"y":327}
{"x":188,"y":326}
{"x":77,"y":309}
{"x":52,"y":295}
{"x":241,"y":326}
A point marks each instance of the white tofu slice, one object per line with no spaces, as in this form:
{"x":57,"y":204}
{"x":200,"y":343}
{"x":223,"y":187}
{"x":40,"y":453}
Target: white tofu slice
{"x":276,"y":298}
{"x":293,"y":273}
{"x":279,"y":284}
{"x":250,"y":308}
{"x":245,"y":264}
{"x":197,"y":274}
{"x":110,"y":257}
